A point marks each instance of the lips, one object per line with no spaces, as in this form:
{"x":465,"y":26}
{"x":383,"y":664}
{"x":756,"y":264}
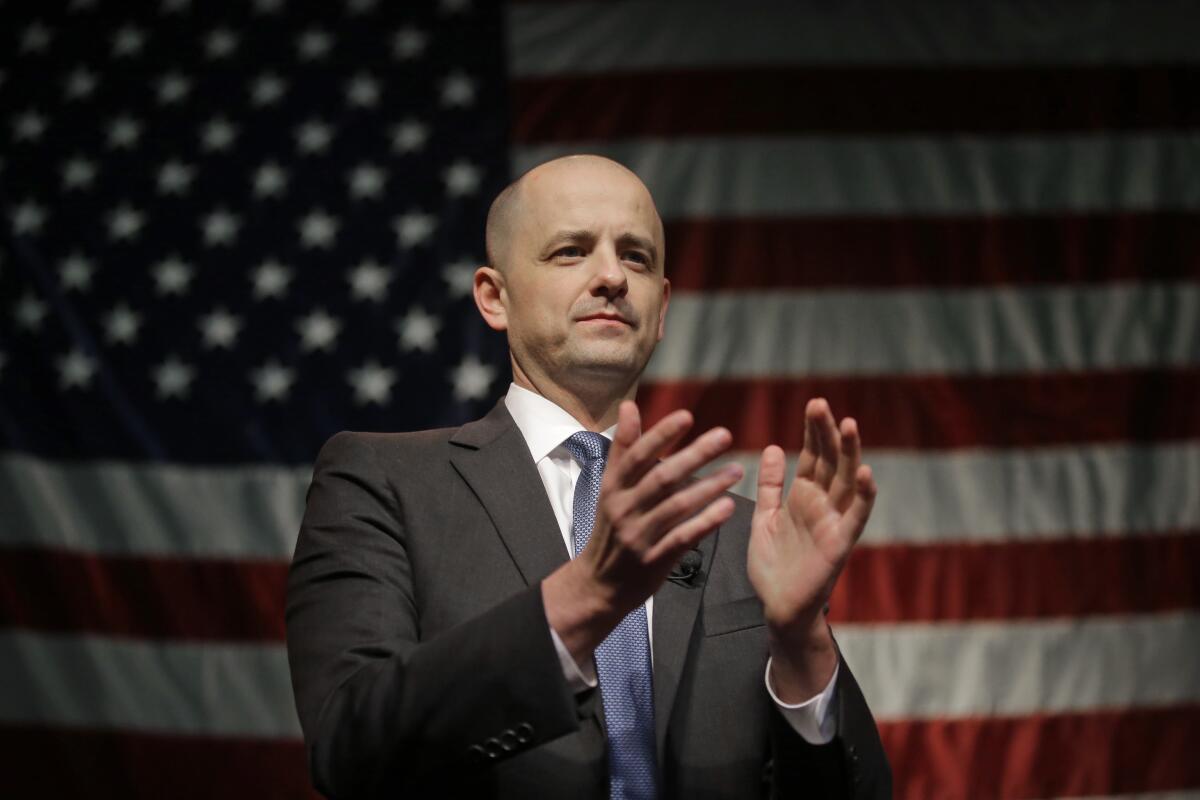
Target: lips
{"x":604,"y":318}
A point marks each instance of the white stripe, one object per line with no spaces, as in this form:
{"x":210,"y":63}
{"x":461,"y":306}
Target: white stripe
{"x":746,"y":177}
{"x":214,"y":689}
{"x":759,"y":334}
{"x":1051,"y":493}
{"x":554,"y":38}
{"x":117,"y":508}
{"x":121,"y":509}
{"x":1185,"y":794}
{"x":923,"y":671}
{"x":906,"y":671}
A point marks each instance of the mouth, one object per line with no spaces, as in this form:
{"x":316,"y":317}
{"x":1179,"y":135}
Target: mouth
{"x":605,"y":318}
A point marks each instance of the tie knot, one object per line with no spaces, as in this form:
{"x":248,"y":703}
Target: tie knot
{"x":587,"y":447}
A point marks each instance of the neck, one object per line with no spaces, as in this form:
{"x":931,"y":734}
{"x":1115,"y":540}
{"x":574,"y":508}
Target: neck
{"x":594,"y":404}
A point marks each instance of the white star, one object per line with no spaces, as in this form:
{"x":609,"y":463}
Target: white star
{"x":75,"y":272}
{"x":458,"y":90}
{"x":36,"y":38}
{"x":454,"y":6}
{"x":172,"y":275}
{"x":267,"y":89}
{"x":28,"y":217}
{"x":121,"y":325}
{"x":270,"y":180}
{"x":267,"y":6}
{"x":369,"y":281}
{"x":362,"y":91}
{"x":80,"y":83}
{"x":318,"y":229}
{"x":272,"y":381}
{"x":270,"y":279}
{"x":175,"y":6}
{"x":175,"y":177}
{"x":408,"y":42}
{"x":357,"y":7}
{"x":128,"y":41}
{"x":414,"y":228}
{"x":123,"y":132}
{"x":172,"y":88}
{"x":218,"y":134}
{"x":78,"y":173}
{"x":220,"y":329}
{"x":125,"y":222}
{"x":462,"y":178}
{"x":472,"y":379}
{"x":220,"y":227}
{"x":220,"y":43}
{"x":366,"y":180}
{"x":409,"y":136}
{"x":318,"y":331}
{"x":313,"y":137}
{"x":314,"y":44}
{"x":372,"y":383}
{"x":81,"y":5}
{"x":30,"y":311}
{"x":460,"y":277}
{"x":76,"y":369}
{"x":418,"y":330}
{"x":29,"y":126}
{"x":173,"y":378}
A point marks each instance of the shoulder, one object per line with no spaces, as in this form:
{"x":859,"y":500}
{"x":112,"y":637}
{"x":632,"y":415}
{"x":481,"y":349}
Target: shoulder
{"x":369,"y":448}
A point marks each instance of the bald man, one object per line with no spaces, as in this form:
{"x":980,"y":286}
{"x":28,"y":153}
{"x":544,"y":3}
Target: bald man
{"x":546,"y":602}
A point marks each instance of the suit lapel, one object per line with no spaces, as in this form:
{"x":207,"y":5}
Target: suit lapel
{"x":675,"y":610}
{"x":492,"y":457}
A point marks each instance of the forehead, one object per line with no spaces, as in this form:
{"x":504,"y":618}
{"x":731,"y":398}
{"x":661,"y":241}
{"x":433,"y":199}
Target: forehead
{"x":587,"y":197}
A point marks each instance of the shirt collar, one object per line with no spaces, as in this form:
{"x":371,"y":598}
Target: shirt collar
{"x":544,"y":425}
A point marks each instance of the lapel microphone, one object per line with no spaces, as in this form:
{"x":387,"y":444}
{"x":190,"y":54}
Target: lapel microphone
{"x":684,"y":573}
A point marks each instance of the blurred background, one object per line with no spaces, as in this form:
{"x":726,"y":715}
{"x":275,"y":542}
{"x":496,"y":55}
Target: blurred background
{"x":230,"y":230}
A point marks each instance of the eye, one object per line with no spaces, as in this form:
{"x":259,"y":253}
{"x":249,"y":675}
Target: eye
{"x":638,"y":256}
{"x":570,"y":251}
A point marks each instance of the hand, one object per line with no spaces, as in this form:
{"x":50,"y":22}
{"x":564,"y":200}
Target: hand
{"x":798,"y":547}
{"x":648,"y":515}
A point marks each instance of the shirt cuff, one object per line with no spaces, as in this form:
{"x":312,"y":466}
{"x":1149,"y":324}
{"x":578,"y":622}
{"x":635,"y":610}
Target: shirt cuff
{"x":813,"y":719}
{"x":578,"y":679}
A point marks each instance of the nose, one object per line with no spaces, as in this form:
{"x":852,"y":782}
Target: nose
{"x":609,"y":279}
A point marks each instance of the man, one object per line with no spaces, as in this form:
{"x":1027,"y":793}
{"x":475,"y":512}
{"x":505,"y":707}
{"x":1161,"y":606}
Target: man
{"x":443,"y":640}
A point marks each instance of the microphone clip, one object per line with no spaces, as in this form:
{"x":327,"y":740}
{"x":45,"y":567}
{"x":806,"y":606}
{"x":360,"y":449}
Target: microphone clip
{"x":685,"y":572}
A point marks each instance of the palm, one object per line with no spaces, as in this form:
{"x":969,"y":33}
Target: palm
{"x":799,"y":545}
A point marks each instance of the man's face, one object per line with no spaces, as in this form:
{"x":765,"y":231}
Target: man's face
{"x":584,"y":292}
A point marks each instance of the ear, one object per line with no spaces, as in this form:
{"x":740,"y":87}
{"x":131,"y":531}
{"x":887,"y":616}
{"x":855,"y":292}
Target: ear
{"x":662,"y":312}
{"x":490,"y":297}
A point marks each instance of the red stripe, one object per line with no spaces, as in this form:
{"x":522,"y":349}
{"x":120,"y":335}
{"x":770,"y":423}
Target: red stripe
{"x":1134,"y":574}
{"x":1104,"y":752}
{"x":947,"y":412}
{"x":809,"y":100}
{"x":156,"y":598}
{"x":54,"y":762}
{"x":888,"y":252}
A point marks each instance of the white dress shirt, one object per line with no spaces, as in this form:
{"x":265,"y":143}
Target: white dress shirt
{"x":545,"y":427}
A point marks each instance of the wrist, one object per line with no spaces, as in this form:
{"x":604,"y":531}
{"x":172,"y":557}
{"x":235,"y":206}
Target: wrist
{"x":803,"y":659}
{"x":578,"y":608}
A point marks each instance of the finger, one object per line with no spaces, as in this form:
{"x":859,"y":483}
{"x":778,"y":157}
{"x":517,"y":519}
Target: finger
{"x":829,"y":445}
{"x":771,"y":469}
{"x":638,"y":456}
{"x":629,"y":428}
{"x":841,"y":491}
{"x":668,"y":474}
{"x":685,"y":502}
{"x":807,"y":465}
{"x":688,"y":533}
{"x":854,"y":521}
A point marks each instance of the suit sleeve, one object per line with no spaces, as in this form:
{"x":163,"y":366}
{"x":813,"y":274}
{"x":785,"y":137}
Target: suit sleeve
{"x":382,"y":709}
{"x":853,"y":765}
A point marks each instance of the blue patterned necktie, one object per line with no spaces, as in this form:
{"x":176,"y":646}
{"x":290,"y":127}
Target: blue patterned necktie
{"x":622,"y":659}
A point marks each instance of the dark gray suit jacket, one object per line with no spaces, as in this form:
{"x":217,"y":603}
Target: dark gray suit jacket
{"x":422,"y":663}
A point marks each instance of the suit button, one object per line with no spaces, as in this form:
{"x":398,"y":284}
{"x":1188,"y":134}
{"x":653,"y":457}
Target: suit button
{"x":493,"y":748}
{"x":508,"y":740}
{"x":524,"y":733}
{"x":476,"y":754}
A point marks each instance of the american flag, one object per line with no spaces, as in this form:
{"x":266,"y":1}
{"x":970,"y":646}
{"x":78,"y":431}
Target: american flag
{"x":229,"y":232}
